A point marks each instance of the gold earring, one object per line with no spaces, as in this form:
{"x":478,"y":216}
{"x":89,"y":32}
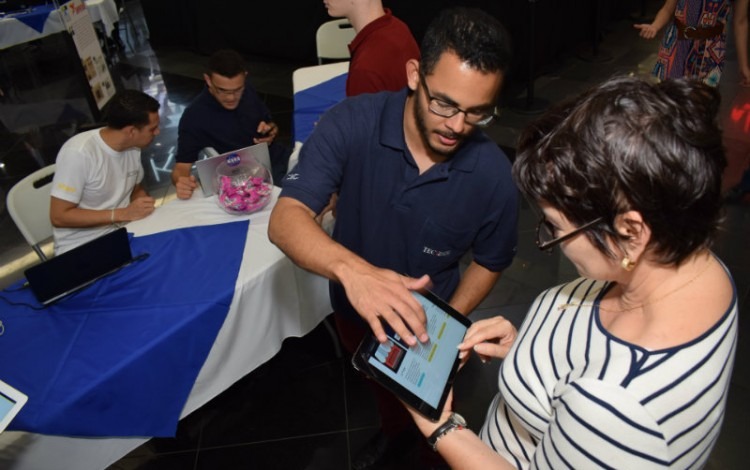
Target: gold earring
{"x":627,"y":264}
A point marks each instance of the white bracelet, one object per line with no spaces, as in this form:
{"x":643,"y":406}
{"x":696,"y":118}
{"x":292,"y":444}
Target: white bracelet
{"x":112,"y":217}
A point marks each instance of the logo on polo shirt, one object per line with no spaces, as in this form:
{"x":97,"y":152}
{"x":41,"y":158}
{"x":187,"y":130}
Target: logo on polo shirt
{"x":292,"y":176}
{"x":434,"y":252}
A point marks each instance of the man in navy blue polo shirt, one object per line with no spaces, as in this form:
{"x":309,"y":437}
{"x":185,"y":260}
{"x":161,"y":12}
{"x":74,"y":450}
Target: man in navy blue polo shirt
{"x":420,"y":185}
{"x":227,"y":115}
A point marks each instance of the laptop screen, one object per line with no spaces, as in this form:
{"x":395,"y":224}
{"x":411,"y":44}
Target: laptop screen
{"x":79,"y":267}
{"x":207,"y":168}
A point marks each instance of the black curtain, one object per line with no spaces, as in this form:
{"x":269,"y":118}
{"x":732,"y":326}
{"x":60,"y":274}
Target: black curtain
{"x":285,"y":29}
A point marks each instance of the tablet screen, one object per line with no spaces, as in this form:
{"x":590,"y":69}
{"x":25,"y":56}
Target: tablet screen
{"x":11,"y":401}
{"x":6,"y":404}
{"x":421,"y":375}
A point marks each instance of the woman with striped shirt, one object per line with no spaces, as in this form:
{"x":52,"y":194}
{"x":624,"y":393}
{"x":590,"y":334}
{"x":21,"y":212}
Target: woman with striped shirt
{"x":629,"y":365}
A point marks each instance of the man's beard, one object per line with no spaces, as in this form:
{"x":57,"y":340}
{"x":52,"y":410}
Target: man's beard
{"x":424,"y":133}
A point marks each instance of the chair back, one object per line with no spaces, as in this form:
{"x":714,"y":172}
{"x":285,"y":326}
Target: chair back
{"x":332,"y":40}
{"x":28,"y":206}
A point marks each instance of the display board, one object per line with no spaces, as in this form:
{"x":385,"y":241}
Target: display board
{"x":79,"y":25}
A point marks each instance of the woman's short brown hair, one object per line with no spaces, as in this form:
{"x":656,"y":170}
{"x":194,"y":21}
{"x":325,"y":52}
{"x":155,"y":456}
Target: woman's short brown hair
{"x":630,"y":144}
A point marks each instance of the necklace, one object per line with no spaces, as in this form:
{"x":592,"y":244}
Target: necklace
{"x":628,"y":309}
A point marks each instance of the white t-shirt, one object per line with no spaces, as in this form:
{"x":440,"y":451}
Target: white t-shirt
{"x":92,"y":175}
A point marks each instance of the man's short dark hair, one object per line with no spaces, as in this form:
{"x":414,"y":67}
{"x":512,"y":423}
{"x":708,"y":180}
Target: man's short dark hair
{"x":630,"y":144}
{"x":129,"y":108}
{"x":477,"y":38}
{"x":227,"y":63}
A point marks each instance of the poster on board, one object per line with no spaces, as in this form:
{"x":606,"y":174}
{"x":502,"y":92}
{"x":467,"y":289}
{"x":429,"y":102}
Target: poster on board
{"x":79,"y":25}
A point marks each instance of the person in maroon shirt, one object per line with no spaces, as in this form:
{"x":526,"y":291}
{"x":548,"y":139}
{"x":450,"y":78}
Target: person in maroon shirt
{"x":379,"y":52}
{"x":380,"y":49}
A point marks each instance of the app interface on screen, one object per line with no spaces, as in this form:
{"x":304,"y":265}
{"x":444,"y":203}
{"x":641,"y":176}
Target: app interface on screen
{"x":424,"y":368}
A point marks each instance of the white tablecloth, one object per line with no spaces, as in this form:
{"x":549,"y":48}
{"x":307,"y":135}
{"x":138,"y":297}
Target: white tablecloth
{"x":274,"y":299}
{"x":104,"y":11}
{"x":13,"y":31}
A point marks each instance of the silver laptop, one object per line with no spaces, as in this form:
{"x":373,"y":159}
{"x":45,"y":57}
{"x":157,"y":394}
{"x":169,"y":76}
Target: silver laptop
{"x":206,"y":169}
{"x":11,"y":402}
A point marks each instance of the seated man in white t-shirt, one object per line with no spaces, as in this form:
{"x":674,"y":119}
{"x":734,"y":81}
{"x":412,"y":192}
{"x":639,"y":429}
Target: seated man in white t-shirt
{"x":97,"y":182}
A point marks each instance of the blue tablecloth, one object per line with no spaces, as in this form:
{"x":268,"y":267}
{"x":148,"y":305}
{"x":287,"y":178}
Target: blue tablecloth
{"x":311,"y":103}
{"x":29,"y":25}
{"x":120,"y":357}
{"x":34,"y":17}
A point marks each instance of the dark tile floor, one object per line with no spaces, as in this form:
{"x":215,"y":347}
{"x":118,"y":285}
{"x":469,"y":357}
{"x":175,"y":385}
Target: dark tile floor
{"x":306,"y":408}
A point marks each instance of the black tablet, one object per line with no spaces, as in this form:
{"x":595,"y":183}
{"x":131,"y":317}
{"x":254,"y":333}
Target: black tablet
{"x":422,"y":375}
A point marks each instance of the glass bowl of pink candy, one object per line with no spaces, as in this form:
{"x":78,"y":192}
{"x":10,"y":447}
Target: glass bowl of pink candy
{"x":243,"y":189}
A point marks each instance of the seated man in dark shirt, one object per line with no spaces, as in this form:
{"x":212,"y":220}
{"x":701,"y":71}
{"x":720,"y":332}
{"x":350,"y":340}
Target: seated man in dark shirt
{"x":227,"y":115}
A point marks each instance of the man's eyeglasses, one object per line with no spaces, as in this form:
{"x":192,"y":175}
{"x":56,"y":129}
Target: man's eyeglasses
{"x":545,"y":233}
{"x":444,"y":109}
{"x":225,"y":92}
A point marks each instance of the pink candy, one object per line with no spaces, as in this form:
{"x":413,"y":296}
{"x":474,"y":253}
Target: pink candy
{"x":245,"y":196}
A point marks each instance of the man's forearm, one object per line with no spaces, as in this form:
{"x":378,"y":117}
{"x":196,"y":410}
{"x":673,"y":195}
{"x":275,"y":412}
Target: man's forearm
{"x":293,"y":229}
{"x":138,"y":191}
{"x":376,"y":294}
{"x":84,"y":218}
{"x":65,"y":214}
{"x":476,"y":282}
{"x":180,"y":170}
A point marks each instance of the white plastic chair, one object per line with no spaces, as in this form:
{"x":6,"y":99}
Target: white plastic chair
{"x":332,"y":40}
{"x":307,"y":77}
{"x":207,"y":152}
{"x":28,"y":206}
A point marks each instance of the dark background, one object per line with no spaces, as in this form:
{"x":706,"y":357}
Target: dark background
{"x":285,"y":29}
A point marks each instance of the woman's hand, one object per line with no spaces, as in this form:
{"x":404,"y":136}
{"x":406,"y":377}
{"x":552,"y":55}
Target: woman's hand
{"x":489,"y":338}
{"x":646,"y":31}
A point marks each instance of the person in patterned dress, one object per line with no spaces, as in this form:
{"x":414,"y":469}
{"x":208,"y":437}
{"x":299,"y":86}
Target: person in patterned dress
{"x":694,"y":41}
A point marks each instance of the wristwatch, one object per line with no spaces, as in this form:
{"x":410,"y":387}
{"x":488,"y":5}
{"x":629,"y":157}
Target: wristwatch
{"x":455,"y":422}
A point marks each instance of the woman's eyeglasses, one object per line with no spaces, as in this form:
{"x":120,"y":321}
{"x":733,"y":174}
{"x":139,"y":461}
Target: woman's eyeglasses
{"x":545,"y":233}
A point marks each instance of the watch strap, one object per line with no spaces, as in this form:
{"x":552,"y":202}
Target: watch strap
{"x":454,"y":422}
